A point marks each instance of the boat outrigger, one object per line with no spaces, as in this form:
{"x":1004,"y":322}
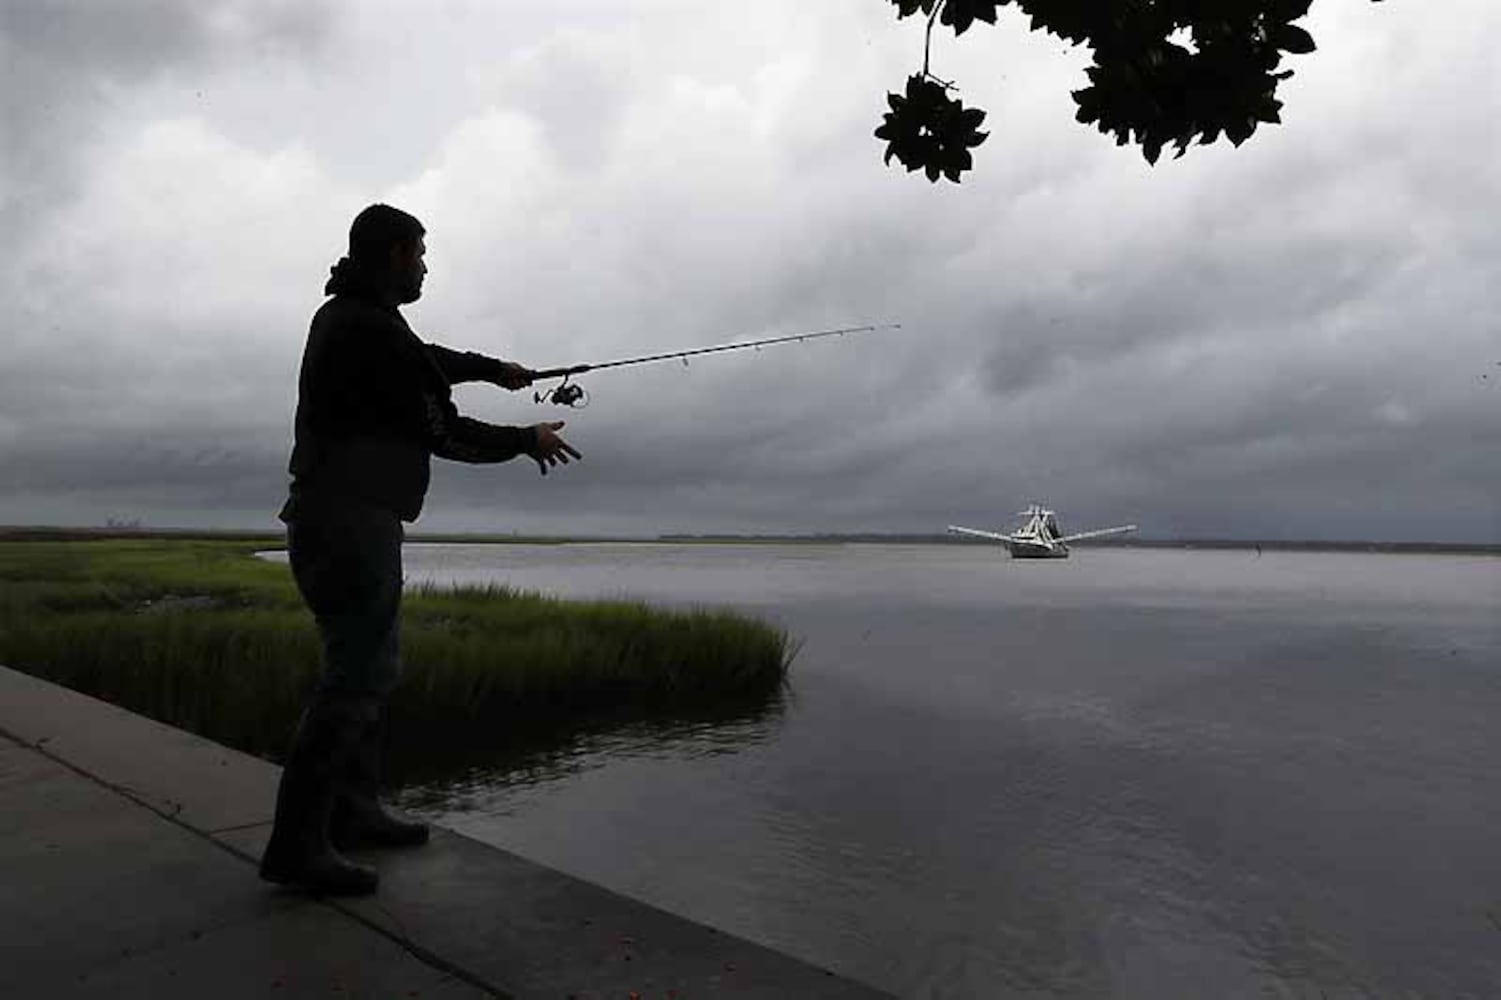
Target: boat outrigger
{"x":1039,"y":537}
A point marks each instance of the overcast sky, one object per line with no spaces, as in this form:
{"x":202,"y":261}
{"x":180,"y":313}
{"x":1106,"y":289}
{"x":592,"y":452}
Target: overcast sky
{"x":1298,"y":338}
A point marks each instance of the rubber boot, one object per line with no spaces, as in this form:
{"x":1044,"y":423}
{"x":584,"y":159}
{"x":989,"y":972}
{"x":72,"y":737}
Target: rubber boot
{"x":359,"y":819}
{"x":299,"y":852}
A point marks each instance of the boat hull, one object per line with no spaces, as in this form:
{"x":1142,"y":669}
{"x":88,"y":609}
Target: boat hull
{"x":1033,"y":550}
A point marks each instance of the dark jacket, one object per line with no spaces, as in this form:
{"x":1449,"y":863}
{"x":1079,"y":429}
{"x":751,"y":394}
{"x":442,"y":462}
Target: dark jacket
{"x":374,"y":403}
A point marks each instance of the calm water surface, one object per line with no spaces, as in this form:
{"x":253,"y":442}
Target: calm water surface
{"x":1135,"y":773}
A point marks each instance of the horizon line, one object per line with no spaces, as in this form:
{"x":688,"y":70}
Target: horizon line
{"x":62,"y":532}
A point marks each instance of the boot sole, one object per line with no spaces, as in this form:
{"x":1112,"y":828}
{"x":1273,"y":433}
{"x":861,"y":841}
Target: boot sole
{"x":355,"y":842}
{"x":314,"y":884}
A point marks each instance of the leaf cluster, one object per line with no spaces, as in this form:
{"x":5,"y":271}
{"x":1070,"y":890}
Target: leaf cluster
{"x":1165,"y":72}
{"x":957,"y":14}
{"x":927,"y":129}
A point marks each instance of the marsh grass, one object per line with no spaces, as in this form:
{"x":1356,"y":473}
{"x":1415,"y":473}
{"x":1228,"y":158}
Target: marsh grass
{"x":201,"y":635}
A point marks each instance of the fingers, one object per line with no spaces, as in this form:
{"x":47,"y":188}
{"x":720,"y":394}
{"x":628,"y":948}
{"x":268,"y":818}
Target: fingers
{"x":559,"y":452}
{"x":545,"y":462}
{"x":552,"y":449}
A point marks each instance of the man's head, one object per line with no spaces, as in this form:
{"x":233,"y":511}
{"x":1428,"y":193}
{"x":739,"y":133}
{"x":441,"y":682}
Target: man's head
{"x":388,"y":244}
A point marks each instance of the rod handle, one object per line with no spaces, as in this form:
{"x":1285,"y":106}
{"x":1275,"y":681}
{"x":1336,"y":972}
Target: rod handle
{"x":559,"y":372}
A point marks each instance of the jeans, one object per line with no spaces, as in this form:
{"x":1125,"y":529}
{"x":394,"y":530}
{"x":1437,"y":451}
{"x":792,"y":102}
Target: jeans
{"x":347,"y":564}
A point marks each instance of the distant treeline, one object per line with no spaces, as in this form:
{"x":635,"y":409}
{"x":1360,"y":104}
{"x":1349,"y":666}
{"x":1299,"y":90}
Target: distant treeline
{"x":1312,"y":545}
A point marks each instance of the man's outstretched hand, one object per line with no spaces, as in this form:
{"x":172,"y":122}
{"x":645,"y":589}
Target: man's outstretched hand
{"x":551,"y":449}
{"x":514,"y":376}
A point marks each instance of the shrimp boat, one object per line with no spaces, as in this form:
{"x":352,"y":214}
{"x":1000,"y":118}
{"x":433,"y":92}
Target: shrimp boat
{"x":1039,"y":537}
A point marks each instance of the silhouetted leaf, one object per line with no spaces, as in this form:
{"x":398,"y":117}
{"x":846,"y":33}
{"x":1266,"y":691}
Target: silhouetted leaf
{"x":1239,"y":132}
{"x":1291,"y":38}
{"x":906,"y":8}
{"x":960,"y":14}
{"x":1290,"y":10}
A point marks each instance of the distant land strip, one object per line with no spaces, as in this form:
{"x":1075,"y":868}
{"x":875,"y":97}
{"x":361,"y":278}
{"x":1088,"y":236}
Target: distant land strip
{"x":276,"y":538}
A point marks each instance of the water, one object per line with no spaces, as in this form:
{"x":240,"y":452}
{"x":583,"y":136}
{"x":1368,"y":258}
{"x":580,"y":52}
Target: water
{"x":1135,"y":773}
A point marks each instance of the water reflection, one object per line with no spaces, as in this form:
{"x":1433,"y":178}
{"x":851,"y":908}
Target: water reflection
{"x":496,"y":775}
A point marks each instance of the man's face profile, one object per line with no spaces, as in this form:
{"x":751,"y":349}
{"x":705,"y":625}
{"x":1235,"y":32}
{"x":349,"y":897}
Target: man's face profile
{"x":408,"y":268}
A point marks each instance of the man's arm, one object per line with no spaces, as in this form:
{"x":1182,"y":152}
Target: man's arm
{"x":464,"y":439}
{"x":471,"y":366}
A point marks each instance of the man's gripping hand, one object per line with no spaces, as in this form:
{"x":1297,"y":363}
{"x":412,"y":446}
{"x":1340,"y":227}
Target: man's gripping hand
{"x":513,"y":376}
{"x":551,"y":449}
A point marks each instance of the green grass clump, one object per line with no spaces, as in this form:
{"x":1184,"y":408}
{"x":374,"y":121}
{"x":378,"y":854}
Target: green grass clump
{"x":201,"y":635}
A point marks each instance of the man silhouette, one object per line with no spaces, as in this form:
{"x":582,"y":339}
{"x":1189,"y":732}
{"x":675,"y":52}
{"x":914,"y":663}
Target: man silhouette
{"x":374,"y":404}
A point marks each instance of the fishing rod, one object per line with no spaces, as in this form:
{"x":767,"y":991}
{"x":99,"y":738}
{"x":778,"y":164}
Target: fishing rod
{"x":571,"y":394}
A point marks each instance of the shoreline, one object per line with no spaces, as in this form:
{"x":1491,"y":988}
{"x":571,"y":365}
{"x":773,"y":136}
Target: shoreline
{"x":200,"y":634}
{"x":275,"y":539}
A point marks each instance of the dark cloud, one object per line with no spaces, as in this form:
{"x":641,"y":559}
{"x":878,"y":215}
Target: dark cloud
{"x":1282,"y":340}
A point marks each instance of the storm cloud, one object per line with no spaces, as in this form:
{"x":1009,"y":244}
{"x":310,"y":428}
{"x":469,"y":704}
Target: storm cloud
{"x":1295,"y":339}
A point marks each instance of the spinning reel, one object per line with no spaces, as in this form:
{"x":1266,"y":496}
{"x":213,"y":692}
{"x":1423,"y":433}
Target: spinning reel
{"x":569,"y":394}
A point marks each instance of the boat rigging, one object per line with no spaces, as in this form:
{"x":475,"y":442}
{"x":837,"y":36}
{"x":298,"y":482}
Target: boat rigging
{"x":1039,"y":537}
